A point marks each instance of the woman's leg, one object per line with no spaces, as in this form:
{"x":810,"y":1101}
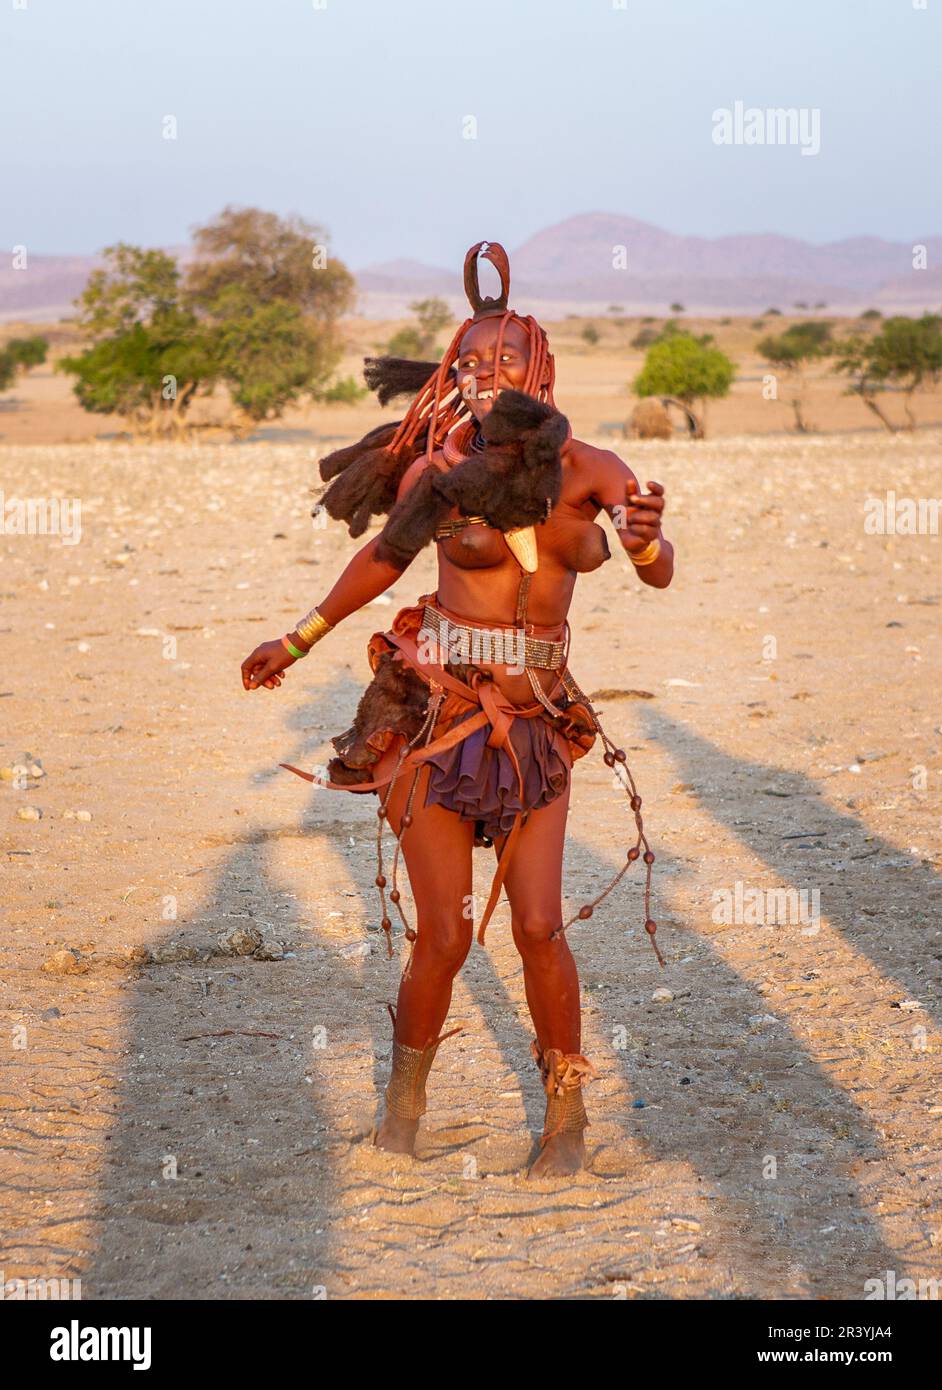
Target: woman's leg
{"x":534,"y":888}
{"x":437,"y":851}
{"x":551,"y":981}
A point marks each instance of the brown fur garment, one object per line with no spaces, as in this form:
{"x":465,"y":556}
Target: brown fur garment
{"x":508,"y":483}
{"x":519,"y":468}
{"x":396,"y":700}
{"x":412,"y":521}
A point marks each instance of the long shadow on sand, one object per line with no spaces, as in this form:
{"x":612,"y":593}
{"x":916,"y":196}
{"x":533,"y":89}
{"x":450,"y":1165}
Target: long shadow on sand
{"x":257,"y":1148}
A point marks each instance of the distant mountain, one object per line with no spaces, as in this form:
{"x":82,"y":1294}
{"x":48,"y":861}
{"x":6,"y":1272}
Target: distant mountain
{"x":45,"y":289}
{"x":412,"y":277}
{"x":568,"y":268}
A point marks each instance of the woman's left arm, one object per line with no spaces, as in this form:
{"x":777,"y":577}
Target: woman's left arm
{"x":636,"y":516}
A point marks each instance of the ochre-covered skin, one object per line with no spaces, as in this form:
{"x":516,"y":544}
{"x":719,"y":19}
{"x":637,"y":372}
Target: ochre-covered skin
{"x":477,"y":575}
{"x":478,"y":579}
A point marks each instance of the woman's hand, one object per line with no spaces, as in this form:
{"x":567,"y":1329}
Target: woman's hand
{"x":643,"y":514}
{"x":266,"y":666}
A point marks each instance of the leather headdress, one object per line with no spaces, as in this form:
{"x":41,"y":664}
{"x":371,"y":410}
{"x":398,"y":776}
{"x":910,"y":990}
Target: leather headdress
{"x":488,"y":307}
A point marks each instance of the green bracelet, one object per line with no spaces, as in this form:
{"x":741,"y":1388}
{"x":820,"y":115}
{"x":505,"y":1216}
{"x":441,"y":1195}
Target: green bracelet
{"x":295,"y":652}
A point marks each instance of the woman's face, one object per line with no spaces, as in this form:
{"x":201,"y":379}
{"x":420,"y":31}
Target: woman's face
{"x":479,"y":379}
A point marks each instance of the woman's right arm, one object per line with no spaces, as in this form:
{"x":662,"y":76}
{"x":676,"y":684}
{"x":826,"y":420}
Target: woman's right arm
{"x":364,"y":579}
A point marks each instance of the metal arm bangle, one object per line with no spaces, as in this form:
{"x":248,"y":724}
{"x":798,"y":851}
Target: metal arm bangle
{"x":648,"y":555}
{"x":312,"y":627}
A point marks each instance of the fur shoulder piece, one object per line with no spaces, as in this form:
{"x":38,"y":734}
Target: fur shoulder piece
{"x":413,"y":520}
{"x":520,"y":468}
{"x":509,"y":483}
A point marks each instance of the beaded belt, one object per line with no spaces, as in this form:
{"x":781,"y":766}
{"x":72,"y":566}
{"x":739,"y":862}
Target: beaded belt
{"x":498,"y":645}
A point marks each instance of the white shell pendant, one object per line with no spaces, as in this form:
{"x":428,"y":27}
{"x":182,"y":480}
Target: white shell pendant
{"x":522,"y":545}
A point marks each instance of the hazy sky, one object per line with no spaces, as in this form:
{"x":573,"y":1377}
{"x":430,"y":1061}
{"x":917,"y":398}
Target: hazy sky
{"x":351,"y":112}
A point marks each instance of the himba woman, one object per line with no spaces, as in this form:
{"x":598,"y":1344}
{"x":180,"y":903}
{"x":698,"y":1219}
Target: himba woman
{"x":471,"y":724}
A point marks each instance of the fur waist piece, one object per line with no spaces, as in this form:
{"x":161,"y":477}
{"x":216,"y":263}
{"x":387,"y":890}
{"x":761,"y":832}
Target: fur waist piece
{"x":397,"y":729}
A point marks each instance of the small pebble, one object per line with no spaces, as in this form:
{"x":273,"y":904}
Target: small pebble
{"x":271,"y":950}
{"x":661,"y":996}
{"x":168,"y":953}
{"x":65,"y":963}
{"x":240,"y":941}
{"x":29,"y":813}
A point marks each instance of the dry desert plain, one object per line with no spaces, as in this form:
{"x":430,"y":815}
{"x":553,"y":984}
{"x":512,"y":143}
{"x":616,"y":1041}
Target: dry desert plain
{"x":182,"y":1121}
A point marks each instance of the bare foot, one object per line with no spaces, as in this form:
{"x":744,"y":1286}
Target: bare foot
{"x":561,"y":1156}
{"x":396,"y":1136}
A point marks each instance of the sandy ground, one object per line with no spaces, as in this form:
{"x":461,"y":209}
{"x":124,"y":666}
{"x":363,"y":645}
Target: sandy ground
{"x":197,"y":1125}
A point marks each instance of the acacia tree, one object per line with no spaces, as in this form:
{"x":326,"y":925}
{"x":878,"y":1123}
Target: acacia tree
{"x":853,"y":360}
{"x":20,"y":354}
{"x":793,"y":351}
{"x":257,"y":310}
{"x":270,"y":257}
{"x":908,"y":353}
{"x":691,"y":370}
{"x":271,"y":297}
{"x":417,"y":340}
{"x":28,"y":352}
{"x":148,"y":356}
{"x":268,"y":355}
{"x":905,"y":354}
